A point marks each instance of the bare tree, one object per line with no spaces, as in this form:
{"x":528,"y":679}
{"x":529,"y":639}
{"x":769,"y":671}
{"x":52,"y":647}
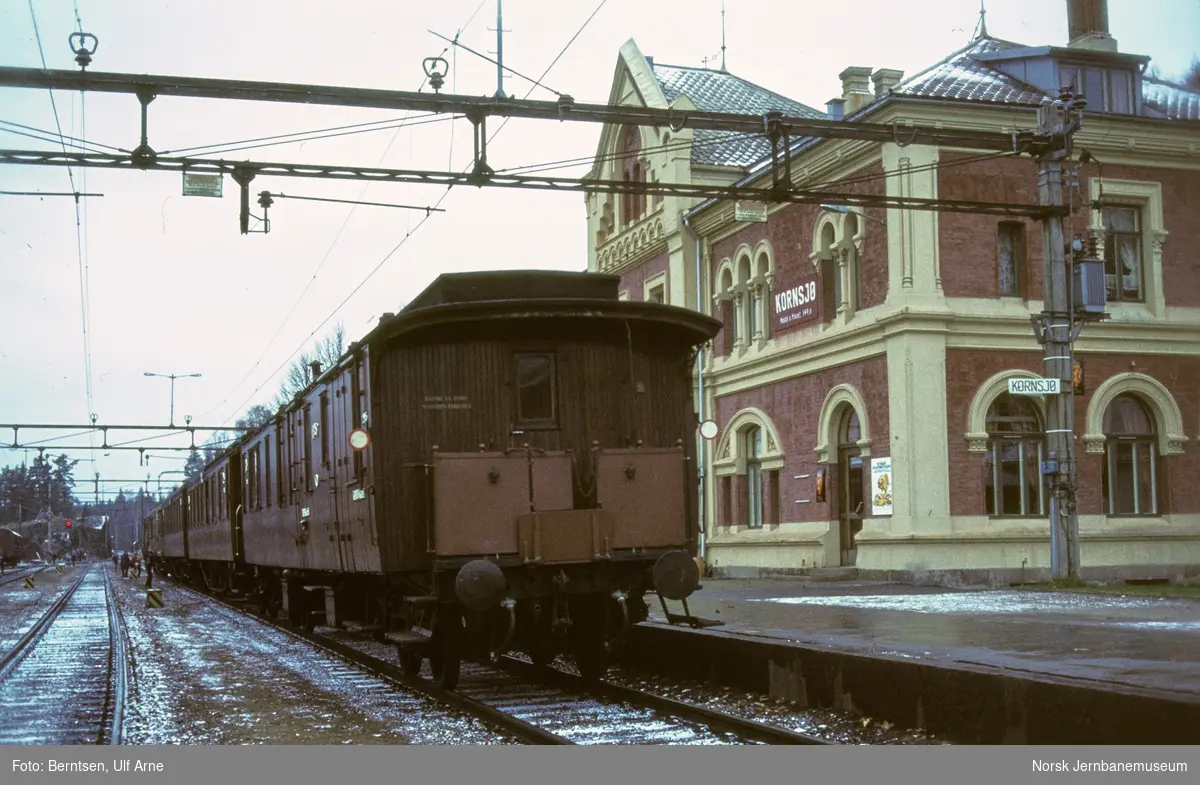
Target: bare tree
{"x":327,"y":351}
{"x":1192,"y":77}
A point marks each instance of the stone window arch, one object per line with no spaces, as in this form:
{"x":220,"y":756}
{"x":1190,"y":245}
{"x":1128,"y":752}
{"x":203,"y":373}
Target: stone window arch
{"x":1131,"y":465}
{"x":1168,"y":421}
{"x":748,"y":465}
{"x":725,"y":303}
{"x":836,"y":252}
{"x":1013,"y":483}
{"x":834,"y":411}
{"x":748,"y":316}
{"x":824,"y":258}
{"x":977,"y":426}
{"x":762,"y":280}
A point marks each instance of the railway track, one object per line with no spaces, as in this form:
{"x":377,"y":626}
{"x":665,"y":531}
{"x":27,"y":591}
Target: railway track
{"x":19,"y":574}
{"x":541,"y":705}
{"x":64,"y":680}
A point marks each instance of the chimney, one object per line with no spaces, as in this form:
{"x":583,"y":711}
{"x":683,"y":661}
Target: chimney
{"x":836,"y":108}
{"x":885,"y":79}
{"x":856,"y":88}
{"x":1087,"y":26}
{"x":316,"y":369}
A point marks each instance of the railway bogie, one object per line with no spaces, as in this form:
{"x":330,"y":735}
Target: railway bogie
{"x":507,"y":463}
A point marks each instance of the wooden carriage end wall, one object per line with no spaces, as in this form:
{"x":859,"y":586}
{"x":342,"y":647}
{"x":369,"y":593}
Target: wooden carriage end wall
{"x":456,"y":391}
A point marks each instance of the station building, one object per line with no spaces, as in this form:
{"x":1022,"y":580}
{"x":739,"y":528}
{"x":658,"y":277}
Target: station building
{"x":860,"y":383}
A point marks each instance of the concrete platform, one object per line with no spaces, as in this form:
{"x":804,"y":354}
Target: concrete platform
{"x":1045,"y":667}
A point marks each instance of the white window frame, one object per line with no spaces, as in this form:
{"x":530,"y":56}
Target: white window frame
{"x":656,"y":282}
{"x":1147,"y":196}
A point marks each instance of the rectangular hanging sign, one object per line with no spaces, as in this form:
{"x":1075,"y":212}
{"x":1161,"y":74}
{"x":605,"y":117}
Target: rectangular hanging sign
{"x":202,"y":184}
{"x":750,"y":212}
{"x":1026,"y":386}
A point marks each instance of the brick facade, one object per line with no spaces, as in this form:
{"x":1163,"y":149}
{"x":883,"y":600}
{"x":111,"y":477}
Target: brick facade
{"x":966,"y":370}
{"x":968,"y":243}
{"x":634,"y":279}
{"x":790,"y":234}
{"x":794,"y":406}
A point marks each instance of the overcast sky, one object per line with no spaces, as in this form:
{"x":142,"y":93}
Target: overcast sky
{"x":172,"y":286}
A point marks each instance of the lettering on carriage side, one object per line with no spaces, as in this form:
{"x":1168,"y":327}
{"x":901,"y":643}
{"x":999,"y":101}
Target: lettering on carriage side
{"x":446,"y":402}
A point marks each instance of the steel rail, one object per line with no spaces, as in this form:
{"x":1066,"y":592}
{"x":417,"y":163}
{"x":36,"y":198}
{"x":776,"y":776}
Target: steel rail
{"x":26,"y":573}
{"x":118,"y":666}
{"x":377,"y":667}
{"x":716,"y":720}
{"x":34,"y":634}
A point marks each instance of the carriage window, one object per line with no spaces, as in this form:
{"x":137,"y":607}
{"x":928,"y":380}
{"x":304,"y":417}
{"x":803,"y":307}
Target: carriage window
{"x":535,"y":389}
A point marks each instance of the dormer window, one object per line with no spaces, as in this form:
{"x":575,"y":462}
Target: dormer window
{"x":1105,"y":90}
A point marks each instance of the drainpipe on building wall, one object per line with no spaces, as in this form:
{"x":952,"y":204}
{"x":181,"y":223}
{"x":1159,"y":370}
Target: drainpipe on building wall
{"x":700,"y":440}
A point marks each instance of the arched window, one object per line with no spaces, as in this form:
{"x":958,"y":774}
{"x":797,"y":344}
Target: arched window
{"x":729,"y":315}
{"x":750,"y":302}
{"x":1131,"y":458}
{"x":753,"y":438}
{"x":853,"y":275}
{"x":748,"y":464}
{"x":762,"y":273}
{"x":1013,"y":481}
{"x":829,"y":268}
{"x":632,"y":171}
{"x":851,"y":431}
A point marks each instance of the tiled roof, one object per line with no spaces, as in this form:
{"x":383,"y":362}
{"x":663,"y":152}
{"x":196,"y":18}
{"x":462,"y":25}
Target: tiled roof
{"x":1174,"y":101}
{"x":961,"y":77}
{"x":718,"y":91}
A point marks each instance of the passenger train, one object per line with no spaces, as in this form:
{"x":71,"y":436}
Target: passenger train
{"x":506,"y":463}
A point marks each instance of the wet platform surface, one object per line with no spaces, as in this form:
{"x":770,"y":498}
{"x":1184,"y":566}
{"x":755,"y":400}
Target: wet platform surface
{"x":1140,"y":641}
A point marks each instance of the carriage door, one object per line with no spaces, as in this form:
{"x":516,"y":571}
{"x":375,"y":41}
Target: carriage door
{"x":851,"y":482}
{"x":339,"y":471}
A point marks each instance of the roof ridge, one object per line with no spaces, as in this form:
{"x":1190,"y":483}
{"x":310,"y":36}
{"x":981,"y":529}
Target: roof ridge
{"x":743,"y":80}
{"x":958,"y":53}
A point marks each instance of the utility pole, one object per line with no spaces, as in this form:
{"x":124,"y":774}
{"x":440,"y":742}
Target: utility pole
{"x":1057,"y":121}
{"x":500,"y":49}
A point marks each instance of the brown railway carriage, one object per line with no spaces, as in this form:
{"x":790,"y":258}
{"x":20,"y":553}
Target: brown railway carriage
{"x":214,"y":521}
{"x":171,"y":519}
{"x":151,"y":536}
{"x":529,"y":475}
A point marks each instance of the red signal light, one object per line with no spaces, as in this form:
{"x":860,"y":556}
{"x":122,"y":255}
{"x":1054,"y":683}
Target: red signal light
{"x":68,"y":524}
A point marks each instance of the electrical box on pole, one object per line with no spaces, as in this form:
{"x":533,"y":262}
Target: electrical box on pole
{"x":1058,"y":120}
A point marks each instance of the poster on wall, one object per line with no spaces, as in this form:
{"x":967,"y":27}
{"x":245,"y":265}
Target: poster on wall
{"x":820,"y":495}
{"x":881,"y":486}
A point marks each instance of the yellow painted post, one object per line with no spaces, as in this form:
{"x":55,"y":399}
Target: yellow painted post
{"x":154,"y":598}
{"x":28,"y":581}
